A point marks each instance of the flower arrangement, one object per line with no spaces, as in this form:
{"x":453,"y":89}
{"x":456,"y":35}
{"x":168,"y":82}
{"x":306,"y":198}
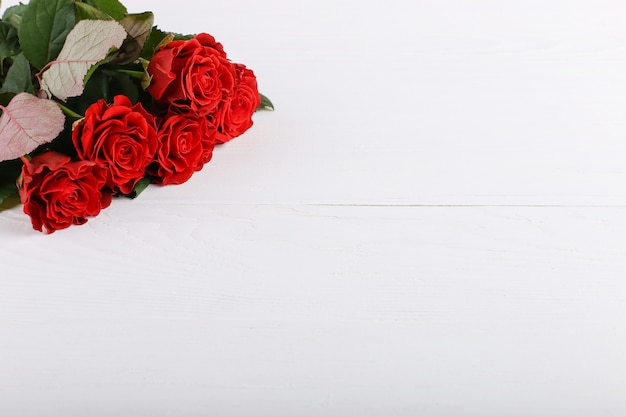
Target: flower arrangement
{"x":97,"y":103}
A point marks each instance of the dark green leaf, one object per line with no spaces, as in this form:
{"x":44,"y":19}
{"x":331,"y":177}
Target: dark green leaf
{"x":181,"y":37}
{"x":5,"y":99}
{"x":154,"y":39}
{"x":105,"y":84}
{"x":18,"y":10}
{"x":95,"y":89}
{"x":10,"y":170}
{"x":84,"y":11}
{"x":19,"y":78}
{"x":44,"y":27}
{"x":139,"y":187}
{"x":14,"y":14}
{"x":113,"y":8}
{"x":63,"y":143}
{"x":266,"y":104}
{"x":9,"y":42}
{"x":9,"y":196}
{"x":121,"y":83}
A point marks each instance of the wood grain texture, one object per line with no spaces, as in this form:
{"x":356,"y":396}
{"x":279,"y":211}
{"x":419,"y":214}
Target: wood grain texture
{"x":320,"y":311}
{"x":431,"y":223}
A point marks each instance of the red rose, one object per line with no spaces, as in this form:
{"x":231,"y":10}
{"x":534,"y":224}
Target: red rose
{"x":193,"y":76}
{"x":122,"y":137}
{"x":208,"y":142}
{"x":184,"y":141}
{"x":57,"y":192}
{"x":234,"y":116}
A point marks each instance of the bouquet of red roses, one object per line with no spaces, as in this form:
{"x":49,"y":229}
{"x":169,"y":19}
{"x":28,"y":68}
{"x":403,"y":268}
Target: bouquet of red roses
{"x":97,"y":103}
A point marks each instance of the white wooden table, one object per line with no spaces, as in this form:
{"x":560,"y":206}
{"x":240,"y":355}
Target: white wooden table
{"x":432,"y":223}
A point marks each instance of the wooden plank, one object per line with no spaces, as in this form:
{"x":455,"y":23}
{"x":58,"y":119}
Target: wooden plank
{"x":431,"y":223}
{"x":317,"y":310}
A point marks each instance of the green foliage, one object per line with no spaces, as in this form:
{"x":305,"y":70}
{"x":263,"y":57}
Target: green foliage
{"x":43,"y":30}
{"x":19,"y":77}
{"x":121,"y":83}
{"x":9,"y":171}
{"x":9,"y":196}
{"x":266,"y":104}
{"x":139,"y":187}
{"x":112,"y":8}
{"x":154,"y":40}
{"x":95,"y":89}
{"x":14,"y":15}
{"x":9,"y":43}
{"x":182,"y":37}
{"x":5,"y":99}
{"x":105,"y":84}
{"x":85,"y":11}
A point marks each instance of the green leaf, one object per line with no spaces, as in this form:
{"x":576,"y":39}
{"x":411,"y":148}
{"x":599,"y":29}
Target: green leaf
{"x":113,"y":8}
{"x":9,"y":196}
{"x":5,"y":99}
{"x":97,"y":88}
{"x":122,"y":83}
{"x":138,"y":27}
{"x":266,"y":104}
{"x":139,"y":187}
{"x":18,"y":9}
{"x":19,"y":78}
{"x":9,"y":171}
{"x":14,"y":15}
{"x":182,"y":37}
{"x":44,"y":28}
{"x":86,"y":45}
{"x":9,"y":42}
{"x":84,"y":12}
{"x":154,"y":40}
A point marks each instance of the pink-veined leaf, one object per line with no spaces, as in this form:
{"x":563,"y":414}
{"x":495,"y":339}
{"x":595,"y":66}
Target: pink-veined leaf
{"x":27,"y":122}
{"x":87,"y":44}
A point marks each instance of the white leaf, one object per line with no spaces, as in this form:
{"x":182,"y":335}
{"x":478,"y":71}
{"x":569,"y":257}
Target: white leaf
{"x":27,"y":122}
{"x":87,"y":44}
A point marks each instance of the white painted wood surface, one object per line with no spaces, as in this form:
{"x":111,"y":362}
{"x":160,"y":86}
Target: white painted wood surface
{"x":432,"y":223}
